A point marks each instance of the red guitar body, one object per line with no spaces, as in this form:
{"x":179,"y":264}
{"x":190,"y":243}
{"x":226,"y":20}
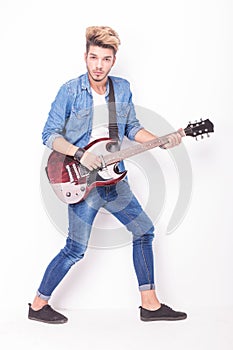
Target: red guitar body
{"x":72,"y":182}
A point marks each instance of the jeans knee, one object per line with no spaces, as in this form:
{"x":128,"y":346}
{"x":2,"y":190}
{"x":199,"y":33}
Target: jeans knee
{"x":148,"y":237}
{"x":145,"y":238}
{"x":74,"y":250}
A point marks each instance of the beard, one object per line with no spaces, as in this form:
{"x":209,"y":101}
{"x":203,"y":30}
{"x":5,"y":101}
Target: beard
{"x":95,"y":77}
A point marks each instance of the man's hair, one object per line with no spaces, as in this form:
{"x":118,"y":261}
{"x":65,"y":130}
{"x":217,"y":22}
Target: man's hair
{"x":102,"y":36}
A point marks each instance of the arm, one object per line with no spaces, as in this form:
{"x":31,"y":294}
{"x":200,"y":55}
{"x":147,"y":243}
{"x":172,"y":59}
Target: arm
{"x":144,"y":135}
{"x":174,"y":139}
{"x":88,"y":159}
{"x":52,"y":134}
{"x":61,"y":145}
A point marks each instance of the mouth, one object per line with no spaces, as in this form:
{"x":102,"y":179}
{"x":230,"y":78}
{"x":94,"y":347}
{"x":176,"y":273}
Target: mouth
{"x":97,"y":73}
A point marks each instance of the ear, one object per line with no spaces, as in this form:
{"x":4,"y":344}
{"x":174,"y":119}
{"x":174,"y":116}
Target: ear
{"x":85,"y":56}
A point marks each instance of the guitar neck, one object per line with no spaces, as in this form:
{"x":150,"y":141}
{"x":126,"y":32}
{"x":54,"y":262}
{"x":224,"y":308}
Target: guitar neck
{"x":133,"y":150}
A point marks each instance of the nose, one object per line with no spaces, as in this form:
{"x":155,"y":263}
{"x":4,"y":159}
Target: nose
{"x":99,"y":64}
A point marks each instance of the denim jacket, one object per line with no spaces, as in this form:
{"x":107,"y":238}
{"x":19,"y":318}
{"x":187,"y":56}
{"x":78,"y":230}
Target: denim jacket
{"x":71,"y":112}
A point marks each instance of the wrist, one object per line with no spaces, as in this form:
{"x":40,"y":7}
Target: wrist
{"x":79,"y":153}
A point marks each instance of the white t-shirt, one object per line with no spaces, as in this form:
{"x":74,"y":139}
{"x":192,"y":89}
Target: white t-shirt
{"x":100,"y":117}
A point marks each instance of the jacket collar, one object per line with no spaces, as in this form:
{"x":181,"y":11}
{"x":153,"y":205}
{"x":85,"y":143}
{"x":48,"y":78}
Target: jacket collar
{"x":86,"y":84}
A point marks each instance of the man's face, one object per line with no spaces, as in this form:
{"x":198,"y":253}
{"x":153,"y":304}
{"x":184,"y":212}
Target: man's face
{"x":99,"y":62}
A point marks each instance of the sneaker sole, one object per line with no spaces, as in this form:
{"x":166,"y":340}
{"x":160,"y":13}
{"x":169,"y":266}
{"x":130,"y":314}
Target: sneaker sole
{"x":146,"y":319}
{"x":50,"y":322}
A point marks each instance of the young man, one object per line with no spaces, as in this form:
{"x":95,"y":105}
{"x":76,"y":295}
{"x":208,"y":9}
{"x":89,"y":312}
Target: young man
{"x":69,"y":128}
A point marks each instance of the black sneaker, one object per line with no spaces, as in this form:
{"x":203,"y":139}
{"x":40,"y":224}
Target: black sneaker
{"x":164,"y":313}
{"x":47,"y":315}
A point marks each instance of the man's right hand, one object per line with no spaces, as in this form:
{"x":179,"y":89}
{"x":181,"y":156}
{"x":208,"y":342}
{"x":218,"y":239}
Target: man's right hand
{"x":90,"y":161}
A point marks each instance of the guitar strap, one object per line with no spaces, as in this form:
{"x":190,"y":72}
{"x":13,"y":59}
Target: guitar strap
{"x":112,"y":126}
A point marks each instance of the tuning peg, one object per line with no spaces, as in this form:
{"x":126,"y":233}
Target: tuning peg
{"x":202,"y":136}
{"x":196,"y":138}
{"x":208,"y":135}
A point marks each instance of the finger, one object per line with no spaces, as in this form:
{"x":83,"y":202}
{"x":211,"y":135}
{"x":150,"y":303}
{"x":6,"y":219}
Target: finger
{"x":174,"y":141}
{"x":98,"y":162}
{"x":181,"y":132}
{"x":179,"y":138}
{"x":95,"y":163}
{"x":170,"y":142}
{"x":167,"y":145}
{"x":176,"y":138}
{"x":94,"y":166}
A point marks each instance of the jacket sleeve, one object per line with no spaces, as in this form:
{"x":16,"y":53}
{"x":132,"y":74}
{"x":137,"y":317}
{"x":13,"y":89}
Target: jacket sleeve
{"x":59,"y":112}
{"x":133,"y":125}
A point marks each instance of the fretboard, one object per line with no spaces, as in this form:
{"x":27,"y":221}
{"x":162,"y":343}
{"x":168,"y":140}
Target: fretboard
{"x":115,"y":157}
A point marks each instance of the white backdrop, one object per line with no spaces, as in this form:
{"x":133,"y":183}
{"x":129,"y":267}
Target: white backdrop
{"x":178,"y":57}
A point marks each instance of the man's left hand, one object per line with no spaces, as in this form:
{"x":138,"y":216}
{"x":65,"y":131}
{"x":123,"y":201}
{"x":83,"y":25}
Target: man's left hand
{"x":174,"y":139}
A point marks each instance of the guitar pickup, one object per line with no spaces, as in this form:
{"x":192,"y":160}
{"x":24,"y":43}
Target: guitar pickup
{"x":76,"y":170}
{"x":73,"y":172}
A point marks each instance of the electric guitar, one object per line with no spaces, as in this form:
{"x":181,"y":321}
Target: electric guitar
{"x":72,"y":182}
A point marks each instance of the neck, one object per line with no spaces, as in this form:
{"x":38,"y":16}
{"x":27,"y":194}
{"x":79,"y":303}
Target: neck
{"x":98,"y":86}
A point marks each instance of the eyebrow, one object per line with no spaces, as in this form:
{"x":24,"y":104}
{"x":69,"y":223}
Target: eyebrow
{"x":93,"y":54}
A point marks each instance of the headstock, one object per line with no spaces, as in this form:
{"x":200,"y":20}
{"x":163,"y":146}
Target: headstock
{"x":199,"y":128}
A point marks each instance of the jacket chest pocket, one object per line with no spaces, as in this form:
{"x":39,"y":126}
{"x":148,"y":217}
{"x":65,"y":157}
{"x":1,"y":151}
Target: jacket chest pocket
{"x":81,"y":114}
{"x":78,"y":122}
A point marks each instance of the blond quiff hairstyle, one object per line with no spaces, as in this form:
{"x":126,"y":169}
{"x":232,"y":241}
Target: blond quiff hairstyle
{"x":102,"y":36}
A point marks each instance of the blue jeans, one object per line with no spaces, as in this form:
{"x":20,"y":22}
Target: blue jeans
{"x":120,"y":201}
